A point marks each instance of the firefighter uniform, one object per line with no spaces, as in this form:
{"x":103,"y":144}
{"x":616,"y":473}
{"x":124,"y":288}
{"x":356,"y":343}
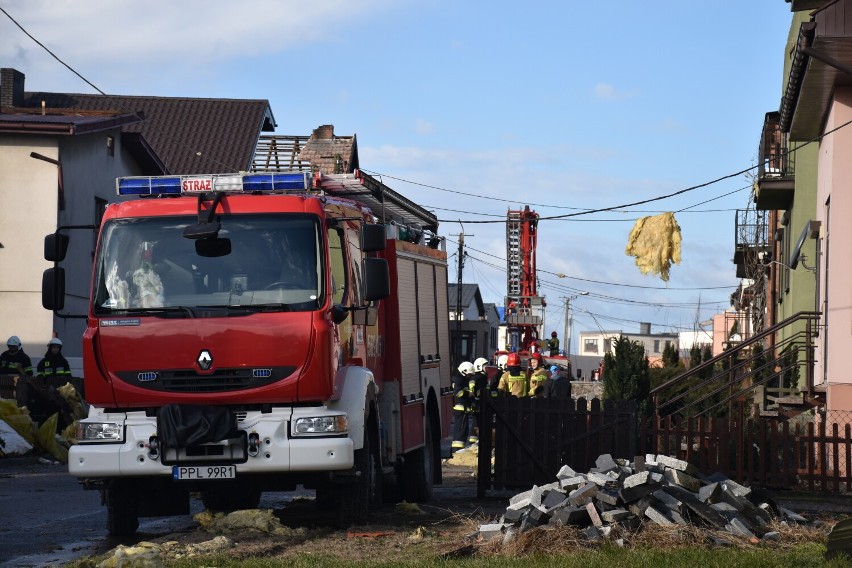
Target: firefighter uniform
{"x":514,"y":382}
{"x":462,"y":405}
{"x":538,"y":378}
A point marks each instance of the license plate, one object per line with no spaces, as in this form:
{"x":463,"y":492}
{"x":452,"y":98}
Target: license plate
{"x":181,"y":472}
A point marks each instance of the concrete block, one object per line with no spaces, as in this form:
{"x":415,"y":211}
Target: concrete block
{"x":592,"y":533}
{"x":569,"y":515}
{"x":608,"y":496}
{"x":593,"y":515}
{"x":736,"y":488}
{"x":565,"y":472}
{"x":773,"y":536}
{"x":535,"y":518}
{"x":633,"y":493}
{"x":640,"y":478}
{"x":709,"y":493}
{"x":691,"y":501}
{"x":737,"y":527}
{"x":572,"y":483}
{"x":683,"y":479}
{"x":582,"y":495}
{"x":602,"y":479}
{"x":615,"y":515}
{"x":639,"y":464}
{"x":493,"y":530}
{"x":510,"y":535}
{"x":638,"y":508}
{"x":667,"y":500}
{"x":676,"y":464}
{"x":514,"y":516}
{"x":553,"y":499}
{"x":657,"y":517}
{"x":605,"y":463}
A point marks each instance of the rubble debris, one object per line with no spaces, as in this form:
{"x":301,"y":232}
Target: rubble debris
{"x":618,"y":494}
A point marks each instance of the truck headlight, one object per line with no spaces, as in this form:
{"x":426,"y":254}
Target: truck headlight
{"x":321,"y":425}
{"x":100,"y":432}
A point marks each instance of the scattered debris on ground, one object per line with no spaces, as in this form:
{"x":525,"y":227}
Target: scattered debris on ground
{"x":617,"y":498}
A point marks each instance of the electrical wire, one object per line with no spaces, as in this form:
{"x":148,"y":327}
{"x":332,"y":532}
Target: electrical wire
{"x":579,"y":211}
{"x":50,"y":52}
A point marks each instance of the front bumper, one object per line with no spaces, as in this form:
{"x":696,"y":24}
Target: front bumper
{"x":277,"y":451}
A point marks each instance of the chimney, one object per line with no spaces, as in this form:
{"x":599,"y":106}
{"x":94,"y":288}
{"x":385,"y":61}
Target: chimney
{"x":324,"y":132}
{"x":644,"y":328}
{"x":11,"y":88}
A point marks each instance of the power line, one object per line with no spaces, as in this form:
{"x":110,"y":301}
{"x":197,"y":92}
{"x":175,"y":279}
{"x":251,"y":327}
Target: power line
{"x":558,"y":275}
{"x":579,"y":211}
{"x":50,"y":52}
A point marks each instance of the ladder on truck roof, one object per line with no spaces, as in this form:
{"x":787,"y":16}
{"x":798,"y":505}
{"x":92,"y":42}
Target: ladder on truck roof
{"x":384,"y":202}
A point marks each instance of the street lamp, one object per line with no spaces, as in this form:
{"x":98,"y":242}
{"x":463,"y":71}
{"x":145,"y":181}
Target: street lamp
{"x":567,"y":332}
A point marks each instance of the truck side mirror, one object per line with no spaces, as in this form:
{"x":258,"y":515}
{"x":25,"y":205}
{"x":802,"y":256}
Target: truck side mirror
{"x":55,"y":247}
{"x":376,"y":279}
{"x":372,"y":238}
{"x":53,"y":289}
{"x":579,"y":373}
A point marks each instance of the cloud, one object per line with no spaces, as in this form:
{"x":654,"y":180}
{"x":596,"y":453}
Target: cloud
{"x":423,"y":127}
{"x":607,"y":92}
{"x":104,"y":37}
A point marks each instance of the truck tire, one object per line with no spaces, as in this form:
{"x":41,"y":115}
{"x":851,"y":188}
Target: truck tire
{"x":355,"y":500}
{"x":419,"y":469}
{"x":122,"y":504}
{"x":231,"y":498}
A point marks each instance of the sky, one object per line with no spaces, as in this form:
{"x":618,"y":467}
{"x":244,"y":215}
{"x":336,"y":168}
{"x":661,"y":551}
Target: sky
{"x":473,"y":108}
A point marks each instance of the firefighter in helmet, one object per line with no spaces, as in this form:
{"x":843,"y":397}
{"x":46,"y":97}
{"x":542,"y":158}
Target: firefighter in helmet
{"x":514,"y":380}
{"x":538,"y":373}
{"x":553,"y":344}
{"x":477,"y":388}
{"x":14,"y":361}
{"x":462,"y":405}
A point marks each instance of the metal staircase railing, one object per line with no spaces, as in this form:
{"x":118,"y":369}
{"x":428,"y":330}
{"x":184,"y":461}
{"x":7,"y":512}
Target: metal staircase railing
{"x":744,"y":371}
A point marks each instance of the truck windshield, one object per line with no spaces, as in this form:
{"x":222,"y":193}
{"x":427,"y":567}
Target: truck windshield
{"x":257,"y":263}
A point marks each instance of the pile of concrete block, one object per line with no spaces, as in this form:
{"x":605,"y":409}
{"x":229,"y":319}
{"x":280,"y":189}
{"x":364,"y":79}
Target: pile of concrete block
{"x":650,"y":489}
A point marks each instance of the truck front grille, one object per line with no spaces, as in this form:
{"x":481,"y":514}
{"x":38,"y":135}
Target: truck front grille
{"x":221,"y":380}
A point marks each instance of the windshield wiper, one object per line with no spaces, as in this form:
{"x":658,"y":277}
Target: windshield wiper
{"x":159,"y":311}
{"x":273,"y":307}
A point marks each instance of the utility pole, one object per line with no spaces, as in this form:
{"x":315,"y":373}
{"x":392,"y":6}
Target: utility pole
{"x":457,"y":347}
{"x":567,"y":330}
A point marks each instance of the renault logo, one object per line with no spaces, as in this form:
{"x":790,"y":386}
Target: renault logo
{"x":205,"y":360}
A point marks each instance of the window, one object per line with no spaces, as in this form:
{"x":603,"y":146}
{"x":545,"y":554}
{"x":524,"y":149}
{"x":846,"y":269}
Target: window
{"x":110,"y":143}
{"x":590,"y":346}
{"x":656,"y":346}
{"x":338,"y":266}
{"x":608,"y":345}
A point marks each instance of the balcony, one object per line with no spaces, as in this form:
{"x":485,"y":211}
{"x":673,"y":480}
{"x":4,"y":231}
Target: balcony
{"x":751,"y":239}
{"x":776,"y":167}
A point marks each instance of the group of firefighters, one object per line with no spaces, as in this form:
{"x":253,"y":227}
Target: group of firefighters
{"x":511,"y":379}
{"x":39,"y":393}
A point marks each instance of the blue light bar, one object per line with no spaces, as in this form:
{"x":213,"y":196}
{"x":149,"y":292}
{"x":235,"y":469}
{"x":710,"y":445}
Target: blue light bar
{"x":148,"y":185}
{"x":277,"y":182}
{"x":187,"y":185}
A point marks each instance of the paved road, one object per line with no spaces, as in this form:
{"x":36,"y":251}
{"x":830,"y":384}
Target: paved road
{"x":46,"y":518}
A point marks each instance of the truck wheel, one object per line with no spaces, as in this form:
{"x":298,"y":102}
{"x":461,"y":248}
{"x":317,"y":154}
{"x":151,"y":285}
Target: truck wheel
{"x":122,"y":509}
{"x":418,"y":470}
{"x":354,"y":501}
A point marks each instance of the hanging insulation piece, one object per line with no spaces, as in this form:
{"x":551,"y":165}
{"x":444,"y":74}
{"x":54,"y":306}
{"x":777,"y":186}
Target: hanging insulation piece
{"x":655,"y":242}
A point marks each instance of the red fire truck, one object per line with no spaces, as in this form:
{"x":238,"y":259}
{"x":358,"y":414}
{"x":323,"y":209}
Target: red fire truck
{"x":255,"y":332}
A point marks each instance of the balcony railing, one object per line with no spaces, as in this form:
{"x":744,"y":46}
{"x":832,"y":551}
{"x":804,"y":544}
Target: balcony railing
{"x":776,"y":167}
